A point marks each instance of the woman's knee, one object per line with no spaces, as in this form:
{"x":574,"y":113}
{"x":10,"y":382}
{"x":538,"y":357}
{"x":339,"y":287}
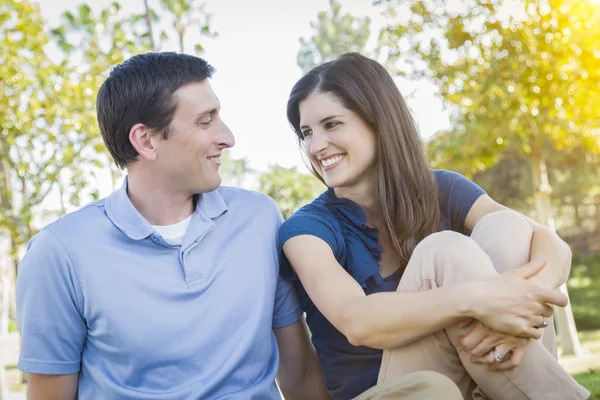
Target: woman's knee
{"x":504,"y":224}
{"x":449,"y":244}
{"x":506,"y":237}
{"x":453,"y":256}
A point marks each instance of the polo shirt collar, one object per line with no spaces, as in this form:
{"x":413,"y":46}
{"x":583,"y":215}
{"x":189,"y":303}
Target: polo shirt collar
{"x":127,"y":218}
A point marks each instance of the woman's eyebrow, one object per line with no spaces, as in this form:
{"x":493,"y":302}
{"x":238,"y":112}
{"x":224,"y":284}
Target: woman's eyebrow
{"x":323,"y":120}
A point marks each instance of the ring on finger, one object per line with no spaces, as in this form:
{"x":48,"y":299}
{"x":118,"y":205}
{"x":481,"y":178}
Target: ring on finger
{"x":544,"y":322}
{"x":497,"y":356}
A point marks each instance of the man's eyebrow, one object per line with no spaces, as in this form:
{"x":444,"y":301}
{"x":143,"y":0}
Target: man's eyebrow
{"x":323,"y":120}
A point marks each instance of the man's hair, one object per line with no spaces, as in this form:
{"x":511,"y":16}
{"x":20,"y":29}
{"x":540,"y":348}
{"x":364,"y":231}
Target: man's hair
{"x":140,"y":90}
{"x":407,"y":188}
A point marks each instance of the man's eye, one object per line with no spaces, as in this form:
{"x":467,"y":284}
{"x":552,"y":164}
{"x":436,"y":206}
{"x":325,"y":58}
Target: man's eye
{"x":206,"y":120}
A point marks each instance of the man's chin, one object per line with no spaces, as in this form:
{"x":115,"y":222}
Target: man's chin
{"x":210,"y":186}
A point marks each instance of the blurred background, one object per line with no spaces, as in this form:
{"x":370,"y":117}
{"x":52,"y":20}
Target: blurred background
{"x":504,"y":92}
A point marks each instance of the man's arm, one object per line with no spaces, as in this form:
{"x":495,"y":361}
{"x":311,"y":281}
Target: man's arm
{"x":53,"y":331}
{"x":299,"y":375}
{"x":53,"y":387}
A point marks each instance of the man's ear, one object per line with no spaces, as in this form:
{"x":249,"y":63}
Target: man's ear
{"x":140,"y":137}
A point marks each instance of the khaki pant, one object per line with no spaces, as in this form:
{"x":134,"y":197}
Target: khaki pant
{"x":499,"y":242}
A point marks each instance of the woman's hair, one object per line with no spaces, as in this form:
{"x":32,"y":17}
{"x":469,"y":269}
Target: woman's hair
{"x":407,"y":187}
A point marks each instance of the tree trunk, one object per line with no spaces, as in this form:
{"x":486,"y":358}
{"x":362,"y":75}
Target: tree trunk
{"x":6,"y":290}
{"x":14,"y":252}
{"x":180,"y":34}
{"x":577,"y":214}
{"x":565,"y":322}
{"x":149,"y":23}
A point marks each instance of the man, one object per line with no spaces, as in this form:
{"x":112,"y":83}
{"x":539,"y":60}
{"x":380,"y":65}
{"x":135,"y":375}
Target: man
{"x":168,"y":288}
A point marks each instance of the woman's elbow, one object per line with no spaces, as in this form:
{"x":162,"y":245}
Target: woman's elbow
{"x":353,"y":326}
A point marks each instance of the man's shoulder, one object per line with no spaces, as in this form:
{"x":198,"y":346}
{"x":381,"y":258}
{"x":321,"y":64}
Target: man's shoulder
{"x":69,"y":230}
{"x":68,"y":224}
{"x":233,"y":196}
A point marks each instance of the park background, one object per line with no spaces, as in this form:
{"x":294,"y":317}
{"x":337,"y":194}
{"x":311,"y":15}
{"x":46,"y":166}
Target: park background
{"x":504,"y":92}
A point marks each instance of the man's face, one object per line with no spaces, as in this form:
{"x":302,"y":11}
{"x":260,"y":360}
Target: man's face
{"x":189,"y":159}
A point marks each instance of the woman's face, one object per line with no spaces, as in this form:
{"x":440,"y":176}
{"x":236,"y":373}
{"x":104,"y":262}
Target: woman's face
{"x":339,"y":144}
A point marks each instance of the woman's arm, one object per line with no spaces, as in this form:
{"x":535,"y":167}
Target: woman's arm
{"x":506,"y":303}
{"x":545,"y":244}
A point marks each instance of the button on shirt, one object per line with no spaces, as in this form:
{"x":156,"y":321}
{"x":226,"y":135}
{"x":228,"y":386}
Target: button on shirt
{"x":100,"y":293}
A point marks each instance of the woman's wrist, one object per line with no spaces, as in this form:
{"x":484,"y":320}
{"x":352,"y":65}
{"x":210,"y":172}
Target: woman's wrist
{"x":467,"y":295}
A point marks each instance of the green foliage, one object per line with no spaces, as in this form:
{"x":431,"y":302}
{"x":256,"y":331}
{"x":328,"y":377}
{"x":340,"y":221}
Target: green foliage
{"x":524,"y":81}
{"x":334,"y":34}
{"x":584,"y":290}
{"x":289,"y":188}
{"x":44,"y":122}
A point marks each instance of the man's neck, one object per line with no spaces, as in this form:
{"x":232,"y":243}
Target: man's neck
{"x":156,"y":203}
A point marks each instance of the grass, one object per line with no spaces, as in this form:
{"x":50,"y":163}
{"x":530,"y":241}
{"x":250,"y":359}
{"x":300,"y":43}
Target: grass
{"x":591,"y":381}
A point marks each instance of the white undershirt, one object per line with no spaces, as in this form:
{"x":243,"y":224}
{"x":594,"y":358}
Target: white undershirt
{"x":173,"y":234}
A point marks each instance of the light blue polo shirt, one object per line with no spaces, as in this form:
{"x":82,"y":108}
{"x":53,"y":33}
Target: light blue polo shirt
{"x":99,"y":292}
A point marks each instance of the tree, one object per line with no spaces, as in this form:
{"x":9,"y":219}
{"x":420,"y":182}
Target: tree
{"x":289,"y":188}
{"x":523,"y":81}
{"x":184,"y":15}
{"x":46,"y":147}
{"x":149,"y":19}
{"x":92,"y":43}
{"x":335,"y":34}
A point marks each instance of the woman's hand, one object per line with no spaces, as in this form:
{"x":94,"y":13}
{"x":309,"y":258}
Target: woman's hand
{"x":482,"y":342}
{"x":509,"y":304}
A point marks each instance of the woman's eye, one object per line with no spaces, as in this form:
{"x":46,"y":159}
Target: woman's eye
{"x":330,"y":125}
{"x":306,"y":133}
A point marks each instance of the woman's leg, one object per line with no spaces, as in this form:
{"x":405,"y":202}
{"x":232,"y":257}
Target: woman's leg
{"x":415,"y":386}
{"x":510,"y":251}
{"x":445,"y":258}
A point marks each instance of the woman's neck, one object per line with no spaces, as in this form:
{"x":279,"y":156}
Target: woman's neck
{"x":367,"y":197}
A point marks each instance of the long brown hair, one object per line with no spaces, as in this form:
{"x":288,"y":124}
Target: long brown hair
{"x":407,"y":187}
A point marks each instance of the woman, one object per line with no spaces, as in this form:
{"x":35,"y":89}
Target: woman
{"x":388,"y":279}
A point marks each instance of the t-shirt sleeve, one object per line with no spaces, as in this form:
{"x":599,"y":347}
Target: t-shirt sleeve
{"x":286,"y":309}
{"x":307,"y":223}
{"x":49,"y":309}
{"x":456,"y":197}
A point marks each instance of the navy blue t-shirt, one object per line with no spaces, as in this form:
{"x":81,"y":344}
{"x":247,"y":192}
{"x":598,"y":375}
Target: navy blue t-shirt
{"x":350,"y":370}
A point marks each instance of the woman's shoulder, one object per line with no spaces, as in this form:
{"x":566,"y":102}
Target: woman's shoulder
{"x":315,"y":211}
{"x":315,"y":219}
{"x":445,"y":176}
